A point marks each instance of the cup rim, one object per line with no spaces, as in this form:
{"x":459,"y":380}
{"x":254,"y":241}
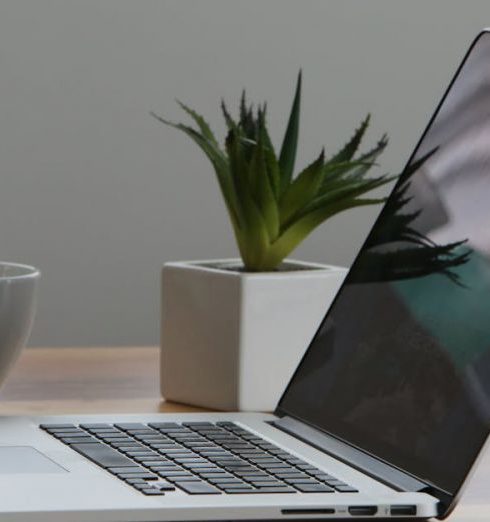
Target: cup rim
{"x":31,"y":271}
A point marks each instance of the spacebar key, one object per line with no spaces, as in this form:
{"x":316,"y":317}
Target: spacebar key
{"x":103,"y":455}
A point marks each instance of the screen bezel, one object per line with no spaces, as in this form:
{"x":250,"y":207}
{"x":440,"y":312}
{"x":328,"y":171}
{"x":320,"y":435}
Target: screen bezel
{"x":280,"y":411}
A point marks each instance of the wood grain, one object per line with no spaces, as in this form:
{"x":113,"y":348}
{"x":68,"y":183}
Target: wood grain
{"x":82,"y":380}
{"x":126,"y":380}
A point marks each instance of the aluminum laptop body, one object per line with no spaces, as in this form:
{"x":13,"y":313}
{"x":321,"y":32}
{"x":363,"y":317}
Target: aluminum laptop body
{"x":384,"y":417}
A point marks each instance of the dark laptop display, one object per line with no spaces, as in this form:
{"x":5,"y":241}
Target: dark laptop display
{"x":400,"y":366}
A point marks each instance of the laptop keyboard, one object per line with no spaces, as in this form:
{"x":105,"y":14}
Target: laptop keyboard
{"x":200,"y":458}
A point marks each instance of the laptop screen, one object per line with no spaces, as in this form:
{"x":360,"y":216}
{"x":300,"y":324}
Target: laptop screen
{"x":400,"y":366}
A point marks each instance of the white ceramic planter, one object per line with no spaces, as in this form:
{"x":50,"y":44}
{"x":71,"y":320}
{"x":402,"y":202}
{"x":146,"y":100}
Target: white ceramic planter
{"x":231,"y":340}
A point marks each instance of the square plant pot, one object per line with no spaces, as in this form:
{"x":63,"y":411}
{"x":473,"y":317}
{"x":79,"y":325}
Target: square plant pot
{"x":231,"y":340}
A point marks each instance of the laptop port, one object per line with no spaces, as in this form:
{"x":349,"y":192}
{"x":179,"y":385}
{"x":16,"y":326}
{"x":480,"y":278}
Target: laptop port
{"x":397,"y":511}
{"x":363,"y":511}
{"x":306,"y":511}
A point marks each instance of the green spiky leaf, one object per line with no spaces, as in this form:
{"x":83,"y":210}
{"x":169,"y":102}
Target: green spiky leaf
{"x":287,"y":156}
{"x":350,"y":148}
{"x":302,"y":190}
{"x":270,"y":209}
{"x":201,"y":123}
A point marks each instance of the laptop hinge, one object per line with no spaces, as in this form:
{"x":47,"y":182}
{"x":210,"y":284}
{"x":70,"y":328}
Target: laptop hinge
{"x":356,"y":458}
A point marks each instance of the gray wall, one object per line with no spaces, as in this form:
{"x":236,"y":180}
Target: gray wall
{"x":99,"y":195}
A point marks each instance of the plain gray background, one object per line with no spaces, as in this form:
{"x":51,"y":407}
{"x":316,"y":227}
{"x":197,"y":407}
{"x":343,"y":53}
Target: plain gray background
{"x":98,"y":194}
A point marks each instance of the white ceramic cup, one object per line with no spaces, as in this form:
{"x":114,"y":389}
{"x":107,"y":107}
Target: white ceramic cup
{"x":18,"y":285}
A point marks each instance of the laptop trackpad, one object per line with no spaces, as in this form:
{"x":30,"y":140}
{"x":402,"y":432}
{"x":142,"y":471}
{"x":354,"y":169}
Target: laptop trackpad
{"x":25,"y":459}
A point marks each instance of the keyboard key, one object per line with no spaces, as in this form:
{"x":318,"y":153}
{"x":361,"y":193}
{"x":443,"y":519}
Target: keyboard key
{"x":205,"y":472}
{"x":175,"y":456}
{"x":266,"y":460}
{"x":127,"y":449}
{"x":250,"y":473}
{"x":217,"y":453}
{"x":141,"y":485}
{"x":310,"y":480}
{"x":198,"y":488}
{"x":125,"y":426}
{"x":234,"y":446}
{"x":144,"y":475}
{"x":194,"y":463}
{"x":279,"y":453}
{"x":226,"y":481}
{"x":197,"y":424}
{"x":218,"y":474}
{"x":51,"y":427}
{"x":259,"y":484}
{"x":170,"y":431}
{"x":103,"y":455}
{"x":158,"y":425}
{"x":174,"y":451}
{"x":77,"y":440}
{"x":165,"y":469}
{"x":346,"y":489}
{"x":65,"y":432}
{"x":154,"y":462}
{"x":107,"y":432}
{"x":69,"y":433}
{"x":278,"y":468}
{"x":140,"y":459}
{"x":153,"y":491}
{"x":111,"y":435}
{"x":191,"y":458}
{"x":308,"y":468}
{"x":143,"y":451}
{"x":170,"y":474}
{"x":153,"y":440}
{"x":295,"y":461}
{"x":291,"y":475}
{"x":164,"y":486}
{"x":127,"y":469}
{"x":133,"y":446}
{"x":175,"y":432}
{"x":239,"y":466}
{"x":232,"y":484}
{"x":182,"y":478}
{"x":321,"y":475}
{"x":251,"y":478}
{"x":334,"y":482}
{"x":276,"y":489}
{"x":168,"y":444}
{"x":146,"y":439}
{"x":183,"y":433}
{"x":313,"y":488}
{"x":96,"y":426}
{"x":134,"y":481}
{"x":240,"y":490}
{"x":262,"y":478}
{"x":117,"y":441}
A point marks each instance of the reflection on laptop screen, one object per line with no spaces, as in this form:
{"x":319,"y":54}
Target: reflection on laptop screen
{"x":400,"y":367}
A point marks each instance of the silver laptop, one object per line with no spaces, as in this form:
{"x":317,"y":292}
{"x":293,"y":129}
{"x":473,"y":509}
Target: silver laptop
{"x":384,"y":417}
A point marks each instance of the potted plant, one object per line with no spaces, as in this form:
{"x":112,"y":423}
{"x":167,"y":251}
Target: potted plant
{"x":234,"y":330}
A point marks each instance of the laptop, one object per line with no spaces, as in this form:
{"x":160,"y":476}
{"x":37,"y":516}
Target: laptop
{"x":385,"y":415}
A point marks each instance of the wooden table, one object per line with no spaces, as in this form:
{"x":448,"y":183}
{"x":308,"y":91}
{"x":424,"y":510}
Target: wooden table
{"x":125,"y":380}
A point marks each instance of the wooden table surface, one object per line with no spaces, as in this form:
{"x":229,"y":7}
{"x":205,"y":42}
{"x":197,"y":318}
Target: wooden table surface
{"x":125,"y":380}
